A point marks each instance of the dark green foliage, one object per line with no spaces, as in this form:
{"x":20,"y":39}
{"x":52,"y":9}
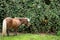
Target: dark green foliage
{"x":45,"y":17}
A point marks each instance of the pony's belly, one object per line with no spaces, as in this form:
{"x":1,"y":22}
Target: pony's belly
{"x":16,"y":23}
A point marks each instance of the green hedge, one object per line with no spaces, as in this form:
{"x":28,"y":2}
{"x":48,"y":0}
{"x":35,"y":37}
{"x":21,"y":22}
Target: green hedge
{"x":45,"y":17}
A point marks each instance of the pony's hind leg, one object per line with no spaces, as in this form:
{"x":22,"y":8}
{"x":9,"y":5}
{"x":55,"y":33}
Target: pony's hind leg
{"x":7,"y":32}
{"x":15,"y":31}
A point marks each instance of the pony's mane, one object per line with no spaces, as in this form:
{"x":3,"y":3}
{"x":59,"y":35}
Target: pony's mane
{"x":23,"y":18}
{"x":19,"y":17}
{"x":8,"y":17}
{"x":28,"y":19}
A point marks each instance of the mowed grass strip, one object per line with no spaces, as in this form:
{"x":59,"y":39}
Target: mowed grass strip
{"x":31,"y":37}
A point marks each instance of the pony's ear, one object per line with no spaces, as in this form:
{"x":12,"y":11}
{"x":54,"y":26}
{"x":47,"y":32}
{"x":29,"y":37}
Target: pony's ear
{"x":20,"y":19}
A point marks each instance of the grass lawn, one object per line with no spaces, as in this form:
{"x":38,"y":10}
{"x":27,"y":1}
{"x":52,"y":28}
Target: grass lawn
{"x":31,"y":37}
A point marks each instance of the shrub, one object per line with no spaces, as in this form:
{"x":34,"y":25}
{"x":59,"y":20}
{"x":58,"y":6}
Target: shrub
{"x":44,"y":16}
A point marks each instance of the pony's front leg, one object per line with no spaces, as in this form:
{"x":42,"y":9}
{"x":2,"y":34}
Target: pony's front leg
{"x":7,"y":32}
{"x":15,"y":31}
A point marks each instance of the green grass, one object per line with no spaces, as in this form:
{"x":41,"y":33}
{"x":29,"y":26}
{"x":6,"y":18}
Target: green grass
{"x":31,"y":37}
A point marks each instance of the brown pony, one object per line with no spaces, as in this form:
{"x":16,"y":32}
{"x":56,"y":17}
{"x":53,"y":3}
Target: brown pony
{"x":14,"y":23}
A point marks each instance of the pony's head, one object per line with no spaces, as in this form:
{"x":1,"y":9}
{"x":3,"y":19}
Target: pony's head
{"x":25,"y":21}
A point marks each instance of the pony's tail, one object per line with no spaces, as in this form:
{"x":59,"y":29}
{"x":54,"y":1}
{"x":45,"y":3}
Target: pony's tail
{"x":4,"y":27}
